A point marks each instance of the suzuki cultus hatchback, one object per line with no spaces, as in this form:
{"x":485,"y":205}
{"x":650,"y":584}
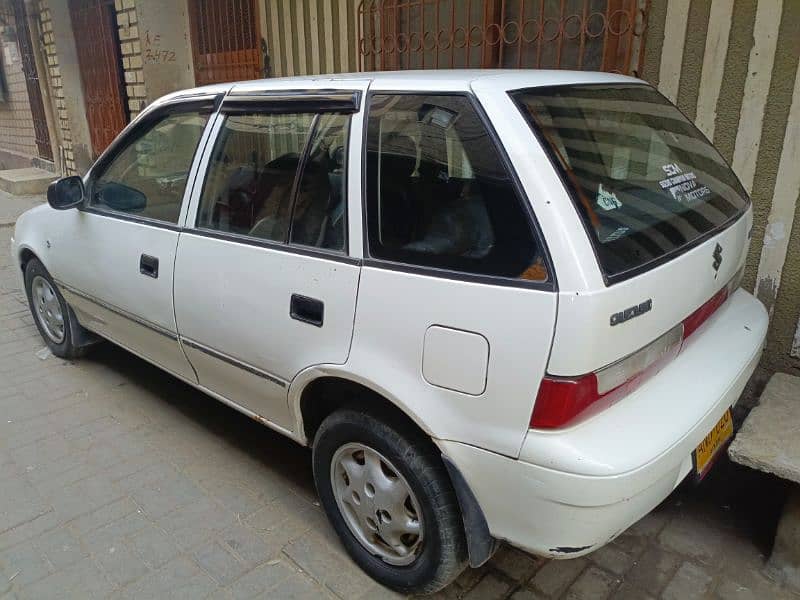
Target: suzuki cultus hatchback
{"x":498,"y":305}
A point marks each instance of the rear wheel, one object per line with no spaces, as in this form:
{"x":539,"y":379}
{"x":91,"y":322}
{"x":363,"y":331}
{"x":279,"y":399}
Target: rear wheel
{"x":51,"y":313}
{"x":389,"y":498}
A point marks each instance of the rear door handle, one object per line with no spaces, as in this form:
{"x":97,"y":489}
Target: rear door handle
{"x":148,"y":265}
{"x":308,"y":310}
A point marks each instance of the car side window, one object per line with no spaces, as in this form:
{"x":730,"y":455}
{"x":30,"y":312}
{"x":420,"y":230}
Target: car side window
{"x":252,"y":186}
{"x":438,"y":193}
{"x":320,"y":211}
{"x":147,"y":177}
{"x":251,"y":173}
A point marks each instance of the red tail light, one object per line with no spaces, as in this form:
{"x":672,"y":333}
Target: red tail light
{"x":562,"y":399}
{"x":698,"y":317}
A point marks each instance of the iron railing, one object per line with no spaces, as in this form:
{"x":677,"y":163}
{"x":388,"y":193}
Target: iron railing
{"x":603,"y":35}
{"x":14,"y":13}
{"x":226,"y":43}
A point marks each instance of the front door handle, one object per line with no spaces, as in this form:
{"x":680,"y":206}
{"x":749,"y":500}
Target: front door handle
{"x":148,"y":265}
{"x":308,"y":310}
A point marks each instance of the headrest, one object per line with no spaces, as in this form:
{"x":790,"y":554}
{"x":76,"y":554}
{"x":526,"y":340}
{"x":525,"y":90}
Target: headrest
{"x":399,"y":154}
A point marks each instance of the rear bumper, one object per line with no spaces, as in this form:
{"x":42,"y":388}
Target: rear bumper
{"x":573,"y":490}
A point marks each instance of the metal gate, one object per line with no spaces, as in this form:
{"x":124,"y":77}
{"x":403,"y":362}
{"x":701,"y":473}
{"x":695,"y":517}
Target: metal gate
{"x":94,"y":23}
{"x":226,"y":42}
{"x":17,"y":12}
{"x":599,"y":35}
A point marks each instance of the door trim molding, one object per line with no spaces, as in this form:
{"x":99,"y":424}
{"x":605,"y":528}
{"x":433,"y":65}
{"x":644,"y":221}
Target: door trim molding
{"x":118,"y":311}
{"x":169,"y":334}
{"x":234,"y":362}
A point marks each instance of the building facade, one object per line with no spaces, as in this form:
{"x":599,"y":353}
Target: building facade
{"x":75,"y":72}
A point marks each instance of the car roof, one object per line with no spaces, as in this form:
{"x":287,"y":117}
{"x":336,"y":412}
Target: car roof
{"x":456,"y":80}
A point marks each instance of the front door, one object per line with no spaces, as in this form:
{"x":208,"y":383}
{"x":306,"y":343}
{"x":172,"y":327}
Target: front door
{"x":263,"y":284}
{"x":97,"y":43}
{"x":115,"y":258}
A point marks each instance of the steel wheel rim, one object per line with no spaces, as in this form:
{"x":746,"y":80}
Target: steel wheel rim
{"x":47,"y":309}
{"x":377,"y":504}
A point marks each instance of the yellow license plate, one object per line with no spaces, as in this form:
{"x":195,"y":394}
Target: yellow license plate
{"x":714,"y":442}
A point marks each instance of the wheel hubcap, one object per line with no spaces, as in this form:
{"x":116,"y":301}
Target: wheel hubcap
{"x":377,"y":504}
{"x":47,"y":309}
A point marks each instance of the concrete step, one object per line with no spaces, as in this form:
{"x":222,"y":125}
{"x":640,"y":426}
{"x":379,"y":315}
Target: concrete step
{"x":27,"y":181}
{"x":769,"y":441}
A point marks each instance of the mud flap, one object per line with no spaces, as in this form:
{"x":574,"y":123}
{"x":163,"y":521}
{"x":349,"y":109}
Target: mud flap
{"x":480,"y":543}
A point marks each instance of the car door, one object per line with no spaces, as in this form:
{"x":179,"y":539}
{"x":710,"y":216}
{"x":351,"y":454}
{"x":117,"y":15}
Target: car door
{"x":116,"y":255}
{"x":264,"y":286}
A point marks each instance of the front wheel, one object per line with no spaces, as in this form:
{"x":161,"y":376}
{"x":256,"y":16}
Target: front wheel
{"x":50,"y":311}
{"x":389,"y":498}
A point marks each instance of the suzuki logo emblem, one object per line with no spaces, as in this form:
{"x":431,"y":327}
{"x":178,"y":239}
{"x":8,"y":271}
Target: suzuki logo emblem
{"x":717,"y":259}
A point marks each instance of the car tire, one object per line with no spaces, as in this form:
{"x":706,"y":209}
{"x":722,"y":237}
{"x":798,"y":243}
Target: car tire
{"x":49,"y":309}
{"x":346,"y":448}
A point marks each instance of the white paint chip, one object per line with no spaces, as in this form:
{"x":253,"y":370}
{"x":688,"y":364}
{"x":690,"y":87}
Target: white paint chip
{"x":787,"y":187}
{"x":795,"y":352}
{"x":775,"y":232}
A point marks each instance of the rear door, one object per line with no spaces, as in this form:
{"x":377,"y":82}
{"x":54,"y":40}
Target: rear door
{"x":664,"y":215}
{"x":264,"y":286}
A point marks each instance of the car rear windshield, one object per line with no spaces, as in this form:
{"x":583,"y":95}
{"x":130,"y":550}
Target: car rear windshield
{"x":645,"y":181}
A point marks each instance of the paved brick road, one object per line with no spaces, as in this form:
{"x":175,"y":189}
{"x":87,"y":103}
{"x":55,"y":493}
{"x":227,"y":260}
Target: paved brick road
{"x":117,"y":480}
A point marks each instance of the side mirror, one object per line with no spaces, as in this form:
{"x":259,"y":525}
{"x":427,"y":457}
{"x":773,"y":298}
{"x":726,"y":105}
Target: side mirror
{"x":65,"y":193}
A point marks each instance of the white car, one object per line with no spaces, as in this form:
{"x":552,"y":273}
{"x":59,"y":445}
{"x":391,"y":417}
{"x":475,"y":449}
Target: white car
{"x":498,"y":305}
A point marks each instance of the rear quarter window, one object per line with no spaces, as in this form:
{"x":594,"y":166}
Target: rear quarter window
{"x":438,"y":193}
{"x":645,"y":181}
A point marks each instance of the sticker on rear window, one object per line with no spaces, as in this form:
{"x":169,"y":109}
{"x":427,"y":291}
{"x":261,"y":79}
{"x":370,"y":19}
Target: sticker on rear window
{"x":616,"y":234}
{"x":607,"y":200}
{"x":683,"y":187}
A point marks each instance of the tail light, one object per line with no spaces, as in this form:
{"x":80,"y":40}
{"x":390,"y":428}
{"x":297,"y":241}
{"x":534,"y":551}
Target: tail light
{"x":698,"y":317}
{"x":562,"y":399}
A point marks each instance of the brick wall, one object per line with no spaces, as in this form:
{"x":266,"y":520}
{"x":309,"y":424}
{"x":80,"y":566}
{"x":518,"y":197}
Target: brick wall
{"x":131,"y":48}
{"x":16,"y":122}
{"x":64,"y":152}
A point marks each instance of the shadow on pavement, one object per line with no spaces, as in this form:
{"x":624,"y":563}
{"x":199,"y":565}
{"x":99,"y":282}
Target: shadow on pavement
{"x":234,"y":428}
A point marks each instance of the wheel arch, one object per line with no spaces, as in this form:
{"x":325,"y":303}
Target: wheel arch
{"x":25,"y":255}
{"x":317,"y":392}
{"x":81,"y":337}
{"x":324,"y":391}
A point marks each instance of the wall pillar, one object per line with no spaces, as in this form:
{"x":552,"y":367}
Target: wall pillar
{"x":166,"y":52}
{"x":68,"y":89}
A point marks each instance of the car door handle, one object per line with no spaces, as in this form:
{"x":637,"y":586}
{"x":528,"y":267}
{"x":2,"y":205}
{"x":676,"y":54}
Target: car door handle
{"x":148,"y":265}
{"x":308,"y":310}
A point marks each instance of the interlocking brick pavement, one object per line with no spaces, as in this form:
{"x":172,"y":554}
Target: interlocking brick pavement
{"x":117,"y":480}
